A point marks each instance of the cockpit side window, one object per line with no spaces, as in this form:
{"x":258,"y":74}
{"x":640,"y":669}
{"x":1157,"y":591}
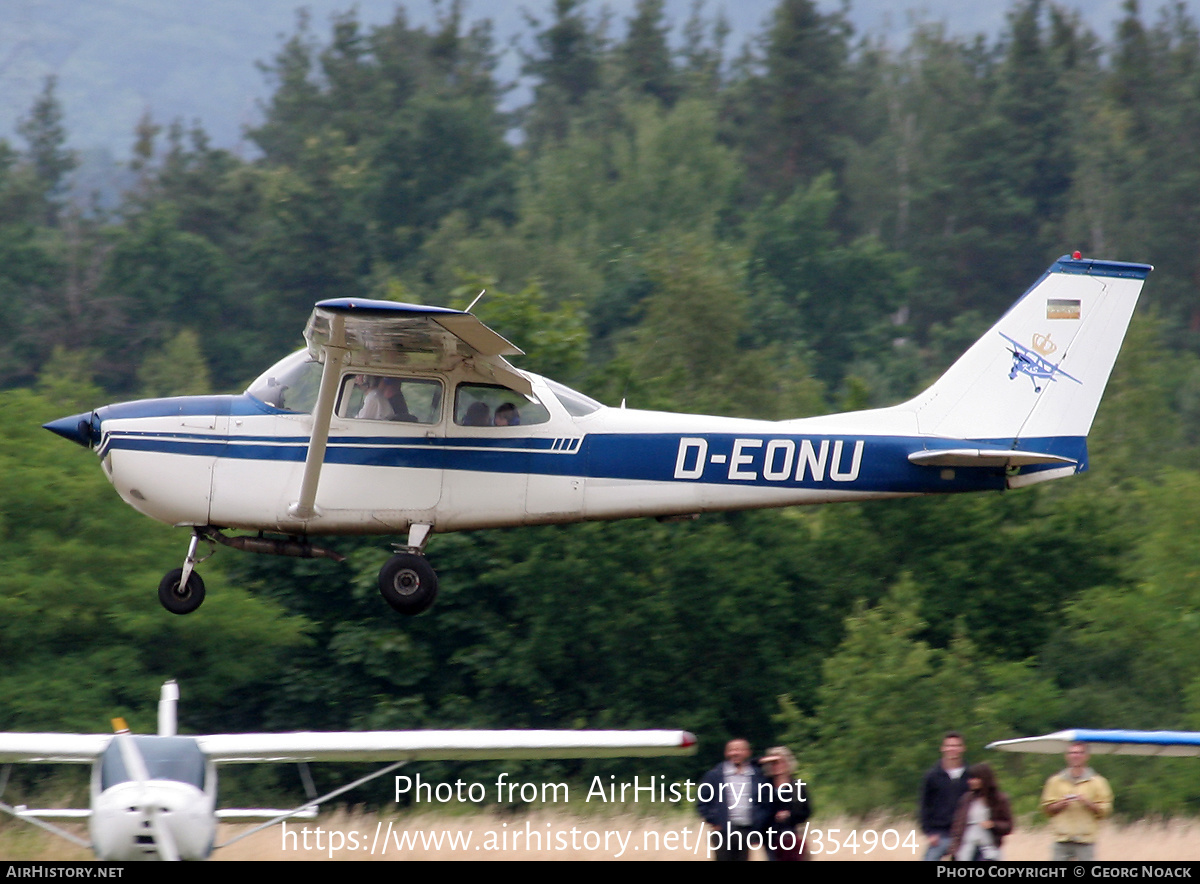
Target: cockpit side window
{"x":388,"y":398}
{"x":490,"y":405}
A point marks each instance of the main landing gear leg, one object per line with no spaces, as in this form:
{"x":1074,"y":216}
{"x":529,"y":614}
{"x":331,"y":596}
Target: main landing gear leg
{"x":182,"y":590}
{"x":407,"y":581}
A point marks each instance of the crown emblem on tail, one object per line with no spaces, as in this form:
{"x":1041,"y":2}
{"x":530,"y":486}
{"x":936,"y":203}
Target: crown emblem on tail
{"x":1044,"y":345}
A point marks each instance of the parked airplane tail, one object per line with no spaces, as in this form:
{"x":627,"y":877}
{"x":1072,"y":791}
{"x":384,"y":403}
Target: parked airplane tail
{"x":1034,"y":381}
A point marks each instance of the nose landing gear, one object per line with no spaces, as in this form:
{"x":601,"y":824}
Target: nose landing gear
{"x":179,"y":596}
{"x":182,"y":591}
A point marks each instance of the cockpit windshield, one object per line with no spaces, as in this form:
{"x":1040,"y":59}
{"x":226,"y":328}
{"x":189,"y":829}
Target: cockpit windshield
{"x":291,"y":384}
{"x":166,"y":758}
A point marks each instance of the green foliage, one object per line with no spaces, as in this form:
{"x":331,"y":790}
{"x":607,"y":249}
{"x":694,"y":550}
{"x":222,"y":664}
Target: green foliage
{"x":554,"y":339}
{"x":83,"y":636}
{"x":790,"y":114}
{"x":567,"y":66}
{"x":839,"y":300}
{"x":45,"y":135}
{"x":177,"y":370}
{"x":646,"y":56}
{"x":886,"y":697}
{"x":68,"y":379}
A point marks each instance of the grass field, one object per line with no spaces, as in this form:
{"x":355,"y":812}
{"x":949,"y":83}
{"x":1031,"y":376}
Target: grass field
{"x":554,"y":836}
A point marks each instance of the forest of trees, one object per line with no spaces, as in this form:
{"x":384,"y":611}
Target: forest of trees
{"x":815,"y":223}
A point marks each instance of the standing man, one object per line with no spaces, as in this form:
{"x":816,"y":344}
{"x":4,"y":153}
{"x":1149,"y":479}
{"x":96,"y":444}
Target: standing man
{"x":729,"y":801}
{"x":941,"y":789}
{"x":1076,"y":799}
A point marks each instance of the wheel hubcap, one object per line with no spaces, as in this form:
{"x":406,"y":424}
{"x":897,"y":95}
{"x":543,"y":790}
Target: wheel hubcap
{"x":407,"y":582}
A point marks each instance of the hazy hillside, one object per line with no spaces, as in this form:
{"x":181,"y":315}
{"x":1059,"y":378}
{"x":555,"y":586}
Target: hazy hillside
{"x":115,"y":59}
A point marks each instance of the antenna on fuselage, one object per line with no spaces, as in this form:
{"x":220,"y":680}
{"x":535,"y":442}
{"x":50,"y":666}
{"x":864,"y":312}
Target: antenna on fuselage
{"x":476,"y":301}
{"x":168,"y":700}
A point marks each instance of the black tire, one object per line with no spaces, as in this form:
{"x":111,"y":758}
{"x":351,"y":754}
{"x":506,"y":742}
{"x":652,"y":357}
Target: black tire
{"x":408,"y":583}
{"x":181,"y":600}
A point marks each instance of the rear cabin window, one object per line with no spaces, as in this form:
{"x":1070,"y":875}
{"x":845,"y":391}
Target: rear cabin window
{"x":490,"y":405}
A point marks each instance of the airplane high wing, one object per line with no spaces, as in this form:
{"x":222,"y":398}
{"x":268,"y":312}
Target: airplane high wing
{"x":1108,"y":742}
{"x":408,"y":420}
{"x":442,"y":745}
{"x":154,"y":796}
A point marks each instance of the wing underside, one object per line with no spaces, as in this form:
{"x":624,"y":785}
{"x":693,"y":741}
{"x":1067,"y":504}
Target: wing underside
{"x":386,"y":333}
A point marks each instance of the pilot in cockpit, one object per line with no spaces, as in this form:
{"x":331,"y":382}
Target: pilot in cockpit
{"x":478,"y":415}
{"x":385,"y":402}
{"x":507,"y":416}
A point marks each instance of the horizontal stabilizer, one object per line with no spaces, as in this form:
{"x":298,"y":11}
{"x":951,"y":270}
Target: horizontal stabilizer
{"x":984,"y":457}
{"x":1108,"y":742}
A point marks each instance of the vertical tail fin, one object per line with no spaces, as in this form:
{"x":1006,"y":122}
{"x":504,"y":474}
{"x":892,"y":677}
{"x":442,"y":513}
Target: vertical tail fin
{"x":1039,"y":373}
{"x":168,"y":700}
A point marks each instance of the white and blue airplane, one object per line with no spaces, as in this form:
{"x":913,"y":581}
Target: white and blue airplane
{"x":154,"y":796}
{"x":408,"y":420}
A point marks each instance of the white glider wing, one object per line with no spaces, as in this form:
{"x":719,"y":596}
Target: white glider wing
{"x":1108,"y":742}
{"x":442,"y":745}
{"x":16,"y":748}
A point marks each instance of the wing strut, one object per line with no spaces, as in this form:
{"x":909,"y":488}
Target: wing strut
{"x":335,"y":355}
{"x":315,"y":803}
{"x":29,"y":817}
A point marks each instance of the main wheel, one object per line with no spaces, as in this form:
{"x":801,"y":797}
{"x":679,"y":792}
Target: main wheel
{"x":181,"y":599}
{"x":408,"y":583}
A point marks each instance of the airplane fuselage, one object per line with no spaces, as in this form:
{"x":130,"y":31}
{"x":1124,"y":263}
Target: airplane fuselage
{"x":122,"y":829}
{"x":405,"y":418}
{"x":236,"y":462}
{"x":169,"y":812}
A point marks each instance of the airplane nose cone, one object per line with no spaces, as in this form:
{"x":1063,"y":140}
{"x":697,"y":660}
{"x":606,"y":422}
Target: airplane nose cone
{"x":79,"y":428}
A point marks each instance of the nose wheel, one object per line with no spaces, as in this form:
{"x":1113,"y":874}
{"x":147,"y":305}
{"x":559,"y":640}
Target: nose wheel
{"x":181,"y":596}
{"x":182,"y":591}
{"x":408,"y":583}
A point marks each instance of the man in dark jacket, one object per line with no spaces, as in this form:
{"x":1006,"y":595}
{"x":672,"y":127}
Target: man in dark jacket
{"x":943,"y":785}
{"x":732,"y":799}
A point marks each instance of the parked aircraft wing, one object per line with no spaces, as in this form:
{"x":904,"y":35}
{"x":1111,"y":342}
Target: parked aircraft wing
{"x":444,"y":745}
{"x":16,"y":748}
{"x":1108,"y":742}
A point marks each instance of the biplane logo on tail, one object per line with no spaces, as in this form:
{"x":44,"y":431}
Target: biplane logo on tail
{"x":1032,"y":361}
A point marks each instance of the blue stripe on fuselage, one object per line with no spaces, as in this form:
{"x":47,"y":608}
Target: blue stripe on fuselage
{"x":858,"y":463}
